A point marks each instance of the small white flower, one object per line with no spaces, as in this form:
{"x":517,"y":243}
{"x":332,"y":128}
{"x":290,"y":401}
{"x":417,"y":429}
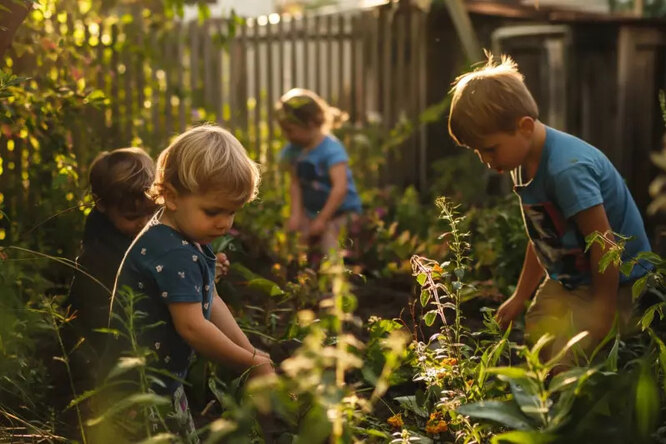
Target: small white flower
{"x":197,"y":288}
{"x":143,"y":251}
{"x":167,"y":359}
{"x":207,"y":287}
{"x":165,"y":294}
{"x":184,"y":242}
{"x":140,"y":285}
{"x":181,"y":274}
{"x":159,"y":268}
{"x":157,"y":346}
{"x":206,"y":306}
{"x":195,"y":257}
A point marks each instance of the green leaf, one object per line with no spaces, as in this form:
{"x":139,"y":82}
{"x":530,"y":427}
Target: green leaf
{"x":421,"y":278}
{"x":126,"y":364}
{"x":410,"y":403}
{"x":565,"y":379}
{"x":160,"y":438}
{"x":265,"y":286}
{"x":503,"y":412}
{"x":509,"y":372}
{"x":526,"y":394}
{"x":639,"y":286}
{"x":125,"y":403}
{"x":647,"y":401}
{"x":523,"y":437}
{"x":425,"y":297}
{"x":430,"y":317}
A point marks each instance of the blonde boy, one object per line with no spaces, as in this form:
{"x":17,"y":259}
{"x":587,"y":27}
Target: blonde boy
{"x":568,"y":189}
{"x":202,"y":179}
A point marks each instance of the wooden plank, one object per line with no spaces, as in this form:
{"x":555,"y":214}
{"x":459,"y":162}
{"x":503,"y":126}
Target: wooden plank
{"x":342,"y":98}
{"x":218,"y":76}
{"x":195,"y":93}
{"x":319,"y":54}
{"x":157,"y":129}
{"x":208,"y":65}
{"x":239,"y":81}
{"x":128,"y":112}
{"x":329,"y":58}
{"x":422,"y":94}
{"x":293,"y":37}
{"x":306,"y":53}
{"x":180,"y":75}
{"x":115,"y":111}
{"x":374,"y":69}
{"x":402,"y":156}
{"x":257,"y":90}
{"x":270,"y":78}
{"x":354,"y":79}
{"x":139,"y":69}
{"x":170,"y":61}
{"x":281,"y":61}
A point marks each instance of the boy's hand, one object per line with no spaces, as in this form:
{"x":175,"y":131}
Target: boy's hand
{"x":509,"y":311}
{"x":317,"y":228}
{"x":294,"y":223}
{"x":221,"y":266}
{"x":604,"y":316}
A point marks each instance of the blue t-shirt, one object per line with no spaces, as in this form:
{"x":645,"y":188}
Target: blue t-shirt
{"x":167,"y":268}
{"x":312,"y":168}
{"x":573,"y":176}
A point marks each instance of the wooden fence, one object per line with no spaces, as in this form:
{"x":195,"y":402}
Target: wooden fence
{"x":161,"y":79}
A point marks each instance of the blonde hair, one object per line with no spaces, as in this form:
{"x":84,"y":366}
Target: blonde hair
{"x":206,"y":158}
{"x":304,"y":107}
{"x":488,"y":100}
{"x":121,"y":178}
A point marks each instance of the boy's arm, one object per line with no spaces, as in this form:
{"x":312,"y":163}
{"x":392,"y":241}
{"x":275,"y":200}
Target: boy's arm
{"x":338,"y":174}
{"x":210,"y":341}
{"x":529,"y":279}
{"x":604,"y":285}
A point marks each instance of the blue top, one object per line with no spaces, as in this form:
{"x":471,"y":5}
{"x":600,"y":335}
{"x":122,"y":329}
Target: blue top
{"x":167,"y":268}
{"x":573,"y":176}
{"x":312,"y":167}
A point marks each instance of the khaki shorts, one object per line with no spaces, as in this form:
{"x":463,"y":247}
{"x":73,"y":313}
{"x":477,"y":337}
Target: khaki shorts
{"x":329,"y":238}
{"x":564,"y":313}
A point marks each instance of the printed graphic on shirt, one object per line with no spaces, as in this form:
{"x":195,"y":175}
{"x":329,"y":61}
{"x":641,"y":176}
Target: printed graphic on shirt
{"x":546,"y":227}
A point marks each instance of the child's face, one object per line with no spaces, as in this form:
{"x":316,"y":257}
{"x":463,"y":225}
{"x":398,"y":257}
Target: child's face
{"x":200,"y":217}
{"x":504,"y":151}
{"x":128,"y":223}
{"x":300,"y":135}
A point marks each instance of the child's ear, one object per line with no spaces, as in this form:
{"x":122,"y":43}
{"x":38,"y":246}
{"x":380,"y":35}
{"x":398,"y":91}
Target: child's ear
{"x":526,"y":125}
{"x":169,"y":194}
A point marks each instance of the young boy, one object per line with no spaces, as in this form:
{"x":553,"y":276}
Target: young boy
{"x":202,"y":179}
{"x":119,"y":180}
{"x":568,"y":189}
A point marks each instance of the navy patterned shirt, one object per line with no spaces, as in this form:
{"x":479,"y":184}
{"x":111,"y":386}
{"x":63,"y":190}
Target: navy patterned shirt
{"x":166,"y":267}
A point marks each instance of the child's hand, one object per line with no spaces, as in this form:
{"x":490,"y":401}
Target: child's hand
{"x":262,"y":353}
{"x":294,"y":223}
{"x":263,"y":367}
{"x":317,"y":228}
{"x":221,"y":266}
{"x":509,"y":311}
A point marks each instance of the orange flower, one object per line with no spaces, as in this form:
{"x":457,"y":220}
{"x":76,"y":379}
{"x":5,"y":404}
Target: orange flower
{"x":449,"y":361}
{"x":437,"y":428}
{"x":436,"y":423}
{"x":396,"y":421}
